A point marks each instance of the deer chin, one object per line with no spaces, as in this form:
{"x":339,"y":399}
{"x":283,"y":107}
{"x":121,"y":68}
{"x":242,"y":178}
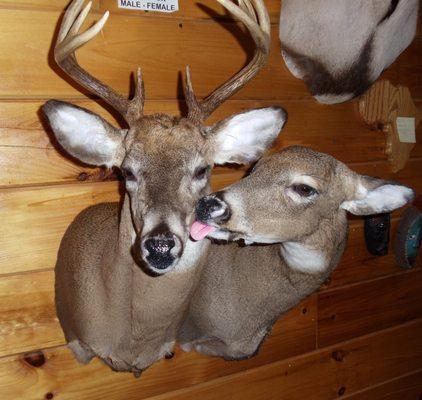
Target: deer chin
{"x":160,"y":266}
{"x":156,"y":267}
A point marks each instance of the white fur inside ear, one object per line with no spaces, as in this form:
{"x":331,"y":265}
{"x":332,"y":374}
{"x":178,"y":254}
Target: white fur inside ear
{"x":84,"y":135}
{"x":385,"y":198}
{"x":244,"y":137}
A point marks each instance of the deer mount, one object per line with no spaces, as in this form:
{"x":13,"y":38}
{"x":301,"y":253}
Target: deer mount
{"x":380,"y":107}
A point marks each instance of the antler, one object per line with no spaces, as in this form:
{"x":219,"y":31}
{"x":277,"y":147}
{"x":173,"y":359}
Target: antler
{"x":69,"y":40}
{"x":254,"y":15}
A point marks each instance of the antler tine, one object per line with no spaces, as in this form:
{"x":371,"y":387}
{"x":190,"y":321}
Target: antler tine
{"x":69,"y":40}
{"x":136,"y":105}
{"x":254,"y":15}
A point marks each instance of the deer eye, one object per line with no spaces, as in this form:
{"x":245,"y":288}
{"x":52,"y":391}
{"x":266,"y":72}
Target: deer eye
{"x":304,"y":190}
{"x":201,"y":172}
{"x":128,"y":175}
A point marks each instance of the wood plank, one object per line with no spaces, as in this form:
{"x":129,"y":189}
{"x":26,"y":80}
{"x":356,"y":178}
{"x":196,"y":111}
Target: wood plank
{"x":22,"y":137}
{"x":359,"y":309}
{"x":358,"y":265}
{"x":39,"y":216}
{"x":126,"y":43}
{"x":205,"y":9}
{"x":410,"y":175}
{"x":318,"y":376}
{"x":294,"y":335}
{"x":27,"y":313}
{"x":41,"y":4}
{"x":408,"y":387}
{"x":31,"y":323}
{"x":410,"y":68}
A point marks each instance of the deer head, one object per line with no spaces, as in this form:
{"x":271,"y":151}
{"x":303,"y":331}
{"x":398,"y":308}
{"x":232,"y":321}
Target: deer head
{"x":306,"y":189}
{"x":166,"y":161}
{"x":340,"y":47}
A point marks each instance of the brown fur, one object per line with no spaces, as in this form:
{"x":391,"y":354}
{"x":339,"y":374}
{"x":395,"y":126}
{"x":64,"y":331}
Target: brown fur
{"x":112,"y":302}
{"x":243,"y":290}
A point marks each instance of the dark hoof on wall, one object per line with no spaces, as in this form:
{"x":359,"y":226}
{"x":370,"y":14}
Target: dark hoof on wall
{"x":377,"y":234}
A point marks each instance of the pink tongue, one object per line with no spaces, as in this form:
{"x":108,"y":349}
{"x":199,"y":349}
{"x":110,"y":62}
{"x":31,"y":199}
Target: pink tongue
{"x":198,"y":230}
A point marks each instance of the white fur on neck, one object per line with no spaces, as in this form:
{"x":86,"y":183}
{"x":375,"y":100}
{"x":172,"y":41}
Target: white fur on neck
{"x":302,"y":258}
{"x":192,"y":254}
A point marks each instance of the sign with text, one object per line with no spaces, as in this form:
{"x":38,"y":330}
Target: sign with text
{"x":167,"y":6}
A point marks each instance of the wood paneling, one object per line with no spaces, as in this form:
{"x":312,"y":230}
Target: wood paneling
{"x":410,"y":67}
{"x":41,"y":191}
{"x":27,"y":313}
{"x":408,"y":387}
{"x":39,"y":216}
{"x":363,"y":308}
{"x":357,"y":264}
{"x":193,"y":9}
{"x":318,"y":376}
{"x":31,"y":322}
{"x":41,"y":4}
{"x":66,"y":379}
{"x":161,"y":46}
{"x":23,"y":138}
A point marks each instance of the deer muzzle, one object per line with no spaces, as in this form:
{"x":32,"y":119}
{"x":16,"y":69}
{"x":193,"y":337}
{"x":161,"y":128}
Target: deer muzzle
{"x":210,"y":211}
{"x":161,"y":250}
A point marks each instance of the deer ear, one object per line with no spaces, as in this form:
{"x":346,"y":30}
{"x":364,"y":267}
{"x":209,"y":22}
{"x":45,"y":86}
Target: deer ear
{"x":85,"y":135}
{"x":374,"y":196}
{"x":244,"y":137}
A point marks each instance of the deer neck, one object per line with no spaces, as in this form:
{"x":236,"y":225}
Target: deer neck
{"x":157,"y":303}
{"x":318,"y":253}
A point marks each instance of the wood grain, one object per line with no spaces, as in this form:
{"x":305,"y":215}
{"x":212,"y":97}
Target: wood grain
{"x":40,"y":215}
{"x":22,"y":137}
{"x":362,"y":308}
{"x":408,"y":387}
{"x":204,"y":9}
{"x":37,"y":218}
{"x":32,"y":324}
{"x":410,"y":67}
{"x":63,"y":376}
{"x":357,"y":264}
{"x":161,"y":46}
{"x":365,"y":362}
{"x":27,"y":313}
{"x":41,"y":4}
{"x":127,"y":42}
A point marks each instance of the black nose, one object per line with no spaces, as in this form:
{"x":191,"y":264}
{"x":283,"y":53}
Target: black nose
{"x":159,"y":247}
{"x":161,"y":250}
{"x":212,"y":208}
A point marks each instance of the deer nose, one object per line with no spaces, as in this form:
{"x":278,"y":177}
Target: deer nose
{"x":213,"y":208}
{"x":161,"y":250}
{"x":159,"y":247}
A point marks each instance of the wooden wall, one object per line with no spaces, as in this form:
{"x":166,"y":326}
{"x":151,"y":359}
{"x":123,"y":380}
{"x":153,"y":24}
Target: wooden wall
{"x":358,"y":338}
